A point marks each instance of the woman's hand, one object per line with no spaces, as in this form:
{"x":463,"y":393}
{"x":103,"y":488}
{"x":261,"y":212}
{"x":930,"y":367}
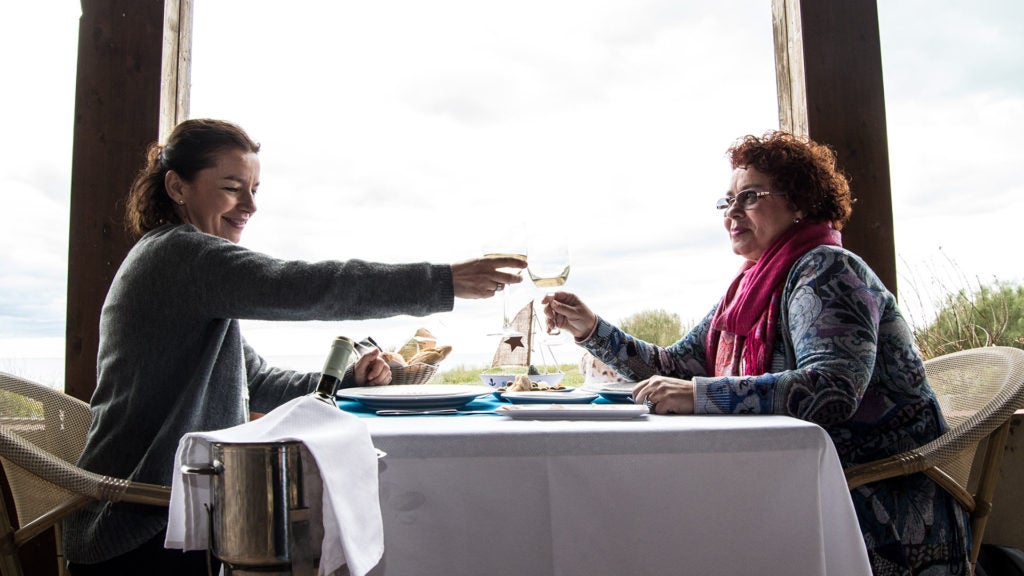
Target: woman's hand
{"x":372,"y":370}
{"x":480,"y":278}
{"x":666,"y":395}
{"x":565,"y":311}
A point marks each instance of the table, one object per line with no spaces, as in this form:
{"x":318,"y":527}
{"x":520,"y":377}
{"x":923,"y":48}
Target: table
{"x":729,"y":495}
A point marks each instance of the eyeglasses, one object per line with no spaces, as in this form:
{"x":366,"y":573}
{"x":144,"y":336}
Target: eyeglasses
{"x":745,"y":200}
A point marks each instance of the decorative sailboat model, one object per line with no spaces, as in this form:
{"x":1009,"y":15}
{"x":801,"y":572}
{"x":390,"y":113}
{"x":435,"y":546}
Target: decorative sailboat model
{"x":516,"y":351}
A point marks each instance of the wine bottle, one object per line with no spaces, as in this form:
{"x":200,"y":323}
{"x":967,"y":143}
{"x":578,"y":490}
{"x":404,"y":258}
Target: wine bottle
{"x":342,"y":354}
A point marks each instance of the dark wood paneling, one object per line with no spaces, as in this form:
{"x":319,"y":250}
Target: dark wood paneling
{"x":838,"y":99}
{"x":117,"y":115}
{"x":38,"y":555}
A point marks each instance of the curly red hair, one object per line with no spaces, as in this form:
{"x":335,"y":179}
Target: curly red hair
{"x":805,"y":170}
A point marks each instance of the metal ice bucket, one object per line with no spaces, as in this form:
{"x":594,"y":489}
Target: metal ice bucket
{"x":257,"y":503}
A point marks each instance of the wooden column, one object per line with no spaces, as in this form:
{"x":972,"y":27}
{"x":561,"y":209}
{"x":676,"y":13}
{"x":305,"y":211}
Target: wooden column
{"x":828,"y":66}
{"x":132,"y":85}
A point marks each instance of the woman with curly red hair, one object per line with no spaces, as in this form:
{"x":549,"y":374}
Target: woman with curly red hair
{"x":806,"y":329}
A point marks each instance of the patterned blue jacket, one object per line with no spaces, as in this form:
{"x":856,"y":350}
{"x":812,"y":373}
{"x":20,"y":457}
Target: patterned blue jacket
{"x":844,"y":359}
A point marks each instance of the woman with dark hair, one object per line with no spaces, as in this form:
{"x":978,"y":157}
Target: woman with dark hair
{"x":806,"y":329}
{"x":172,"y":358}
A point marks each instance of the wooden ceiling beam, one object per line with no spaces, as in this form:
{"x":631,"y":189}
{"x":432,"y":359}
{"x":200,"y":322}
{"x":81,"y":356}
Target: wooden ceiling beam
{"x":828,"y":63}
{"x":132,"y":84}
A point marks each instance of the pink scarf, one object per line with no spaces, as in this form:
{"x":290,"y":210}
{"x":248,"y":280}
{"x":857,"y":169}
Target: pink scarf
{"x":752,"y":312}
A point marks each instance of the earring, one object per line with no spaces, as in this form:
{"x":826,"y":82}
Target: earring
{"x":796,"y":220}
{"x":181,"y":201}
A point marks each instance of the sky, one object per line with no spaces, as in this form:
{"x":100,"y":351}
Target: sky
{"x":409,"y":131}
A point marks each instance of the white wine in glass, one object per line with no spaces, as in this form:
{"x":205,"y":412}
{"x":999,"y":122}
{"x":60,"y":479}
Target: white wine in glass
{"x":507,"y":241}
{"x":549,"y":268}
{"x":550,"y":281}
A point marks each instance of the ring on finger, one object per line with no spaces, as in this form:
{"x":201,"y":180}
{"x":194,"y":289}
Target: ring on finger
{"x":499,"y":287}
{"x":650,"y":404}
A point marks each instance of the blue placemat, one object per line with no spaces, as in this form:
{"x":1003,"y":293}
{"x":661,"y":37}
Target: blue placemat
{"x":489,"y":402}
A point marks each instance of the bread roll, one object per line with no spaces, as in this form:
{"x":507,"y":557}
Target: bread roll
{"x":393,"y":359}
{"x":521,"y":383}
{"x":425,"y":338}
{"x":408,"y":350}
{"x":429,"y":356}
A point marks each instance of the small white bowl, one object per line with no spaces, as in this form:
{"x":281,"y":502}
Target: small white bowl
{"x":500,"y":380}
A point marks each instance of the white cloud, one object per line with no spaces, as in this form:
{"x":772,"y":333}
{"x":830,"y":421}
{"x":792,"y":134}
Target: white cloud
{"x":609,"y":118}
{"x":955,"y":107}
{"x":583,"y":119}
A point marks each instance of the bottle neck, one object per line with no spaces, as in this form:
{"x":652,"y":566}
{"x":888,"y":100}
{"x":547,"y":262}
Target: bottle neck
{"x":341,"y":355}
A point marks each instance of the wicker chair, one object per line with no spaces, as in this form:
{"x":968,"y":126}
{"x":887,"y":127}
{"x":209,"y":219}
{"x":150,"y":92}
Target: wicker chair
{"x":42,"y":434}
{"x":978,"y":390}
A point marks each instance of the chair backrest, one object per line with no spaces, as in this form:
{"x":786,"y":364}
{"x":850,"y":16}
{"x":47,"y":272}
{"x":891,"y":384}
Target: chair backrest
{"x":978,"y":390}
{"x":42,"y":434}
{"x":49,"y":420}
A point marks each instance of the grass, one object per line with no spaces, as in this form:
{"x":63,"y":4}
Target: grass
{"x":955,"y":312}
{"x":471,"y":374}
{"x":17,"y":406}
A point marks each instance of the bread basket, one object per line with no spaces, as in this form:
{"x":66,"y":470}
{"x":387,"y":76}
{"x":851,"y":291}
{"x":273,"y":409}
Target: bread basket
{"x":413,"y":374}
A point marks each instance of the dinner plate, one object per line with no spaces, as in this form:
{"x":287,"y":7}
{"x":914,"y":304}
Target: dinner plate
{"x":618,"y":392}
{"x":574,"y":411}
{"x":531,"y":397}
{"x":414,"y":395}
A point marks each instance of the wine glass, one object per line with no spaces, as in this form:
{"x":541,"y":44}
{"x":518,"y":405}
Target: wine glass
{"x":507,"y":240}
{"x":549,"y":269}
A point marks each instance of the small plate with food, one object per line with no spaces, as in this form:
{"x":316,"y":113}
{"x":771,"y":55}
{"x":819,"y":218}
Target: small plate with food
{"x":498,"y":380}
{"x":526,"y":383}
{"x":533,"y":397}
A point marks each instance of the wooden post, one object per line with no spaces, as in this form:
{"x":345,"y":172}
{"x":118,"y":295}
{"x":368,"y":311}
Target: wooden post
{"x":828,"y":66}
{"x":129,"y":81}
{"x":176,"y":68}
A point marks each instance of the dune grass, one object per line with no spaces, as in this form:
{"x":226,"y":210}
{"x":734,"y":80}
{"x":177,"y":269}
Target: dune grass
{"x":471,"y":375}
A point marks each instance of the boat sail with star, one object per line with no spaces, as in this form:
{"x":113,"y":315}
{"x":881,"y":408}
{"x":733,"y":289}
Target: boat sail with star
{"x":515,"y":351}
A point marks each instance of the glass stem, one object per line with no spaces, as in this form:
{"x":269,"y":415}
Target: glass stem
{"x":505,"y":322}
{"x":556,"y":331}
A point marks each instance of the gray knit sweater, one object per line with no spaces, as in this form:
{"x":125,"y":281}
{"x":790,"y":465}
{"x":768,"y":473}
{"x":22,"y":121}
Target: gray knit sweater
{"x":172,"y":359}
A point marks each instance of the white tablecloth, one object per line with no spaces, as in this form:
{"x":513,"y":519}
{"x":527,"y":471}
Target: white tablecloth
{"x":700,"y":495}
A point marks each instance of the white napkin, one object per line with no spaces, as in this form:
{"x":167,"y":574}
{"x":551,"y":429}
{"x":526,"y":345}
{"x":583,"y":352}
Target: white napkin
{"x":341,"y":446}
